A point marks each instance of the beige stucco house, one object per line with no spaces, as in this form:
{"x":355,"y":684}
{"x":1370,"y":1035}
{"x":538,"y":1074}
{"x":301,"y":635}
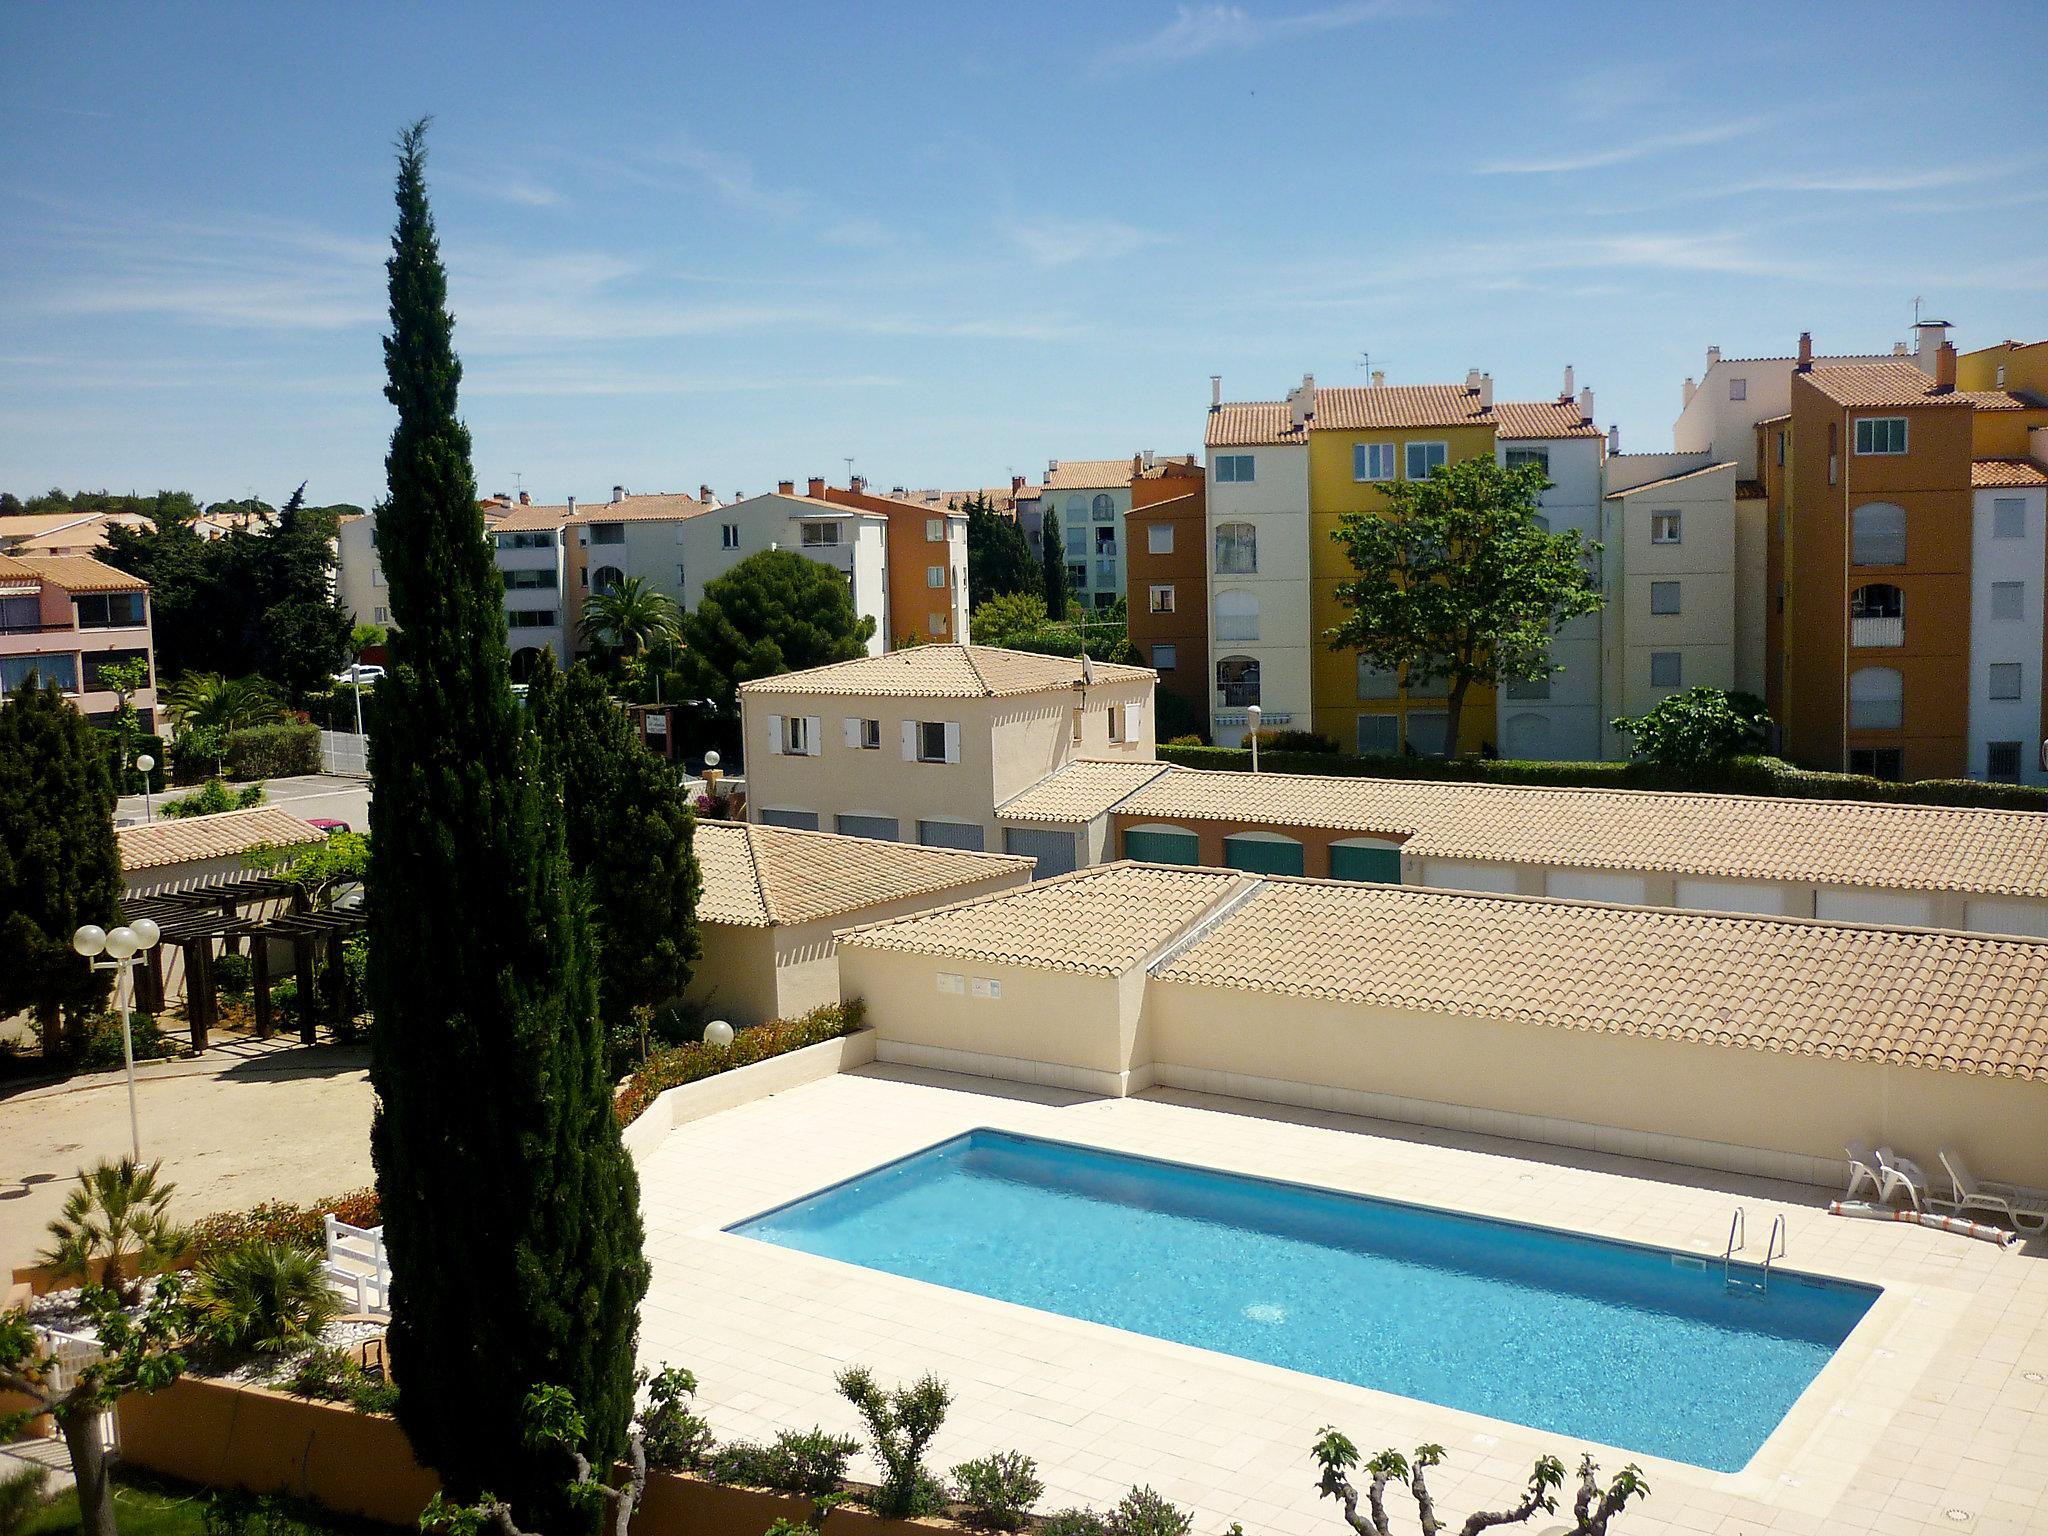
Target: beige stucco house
{"x":922,"y":745}
{"x":1756,"y":1045}
{"x":772,"y":898}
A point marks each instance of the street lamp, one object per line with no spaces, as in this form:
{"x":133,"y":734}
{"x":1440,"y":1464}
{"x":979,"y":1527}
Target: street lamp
{"x":145,"y":764}
{"x":124,"y":947}
{"x":718,"y":1033}
{"x":1253,"y":715}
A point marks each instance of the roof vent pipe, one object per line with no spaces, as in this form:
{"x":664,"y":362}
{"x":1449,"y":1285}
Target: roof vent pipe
{"x":1614,"y":438}
{"x":572,"y":506}
{"x":1215,"y":391}
{"x":1570,"y":388}
{"x":618,"y":494}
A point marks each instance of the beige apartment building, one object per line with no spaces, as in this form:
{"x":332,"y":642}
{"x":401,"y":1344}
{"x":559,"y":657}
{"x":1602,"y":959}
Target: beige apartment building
{"x":62,"y":618}
{"x":922,"y":745}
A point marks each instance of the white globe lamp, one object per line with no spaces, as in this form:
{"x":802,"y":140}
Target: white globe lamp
{"x":90,"y":940}
{"x":121,"y":943}
{"x":718,"y":1033}
{"x":146,"y":933}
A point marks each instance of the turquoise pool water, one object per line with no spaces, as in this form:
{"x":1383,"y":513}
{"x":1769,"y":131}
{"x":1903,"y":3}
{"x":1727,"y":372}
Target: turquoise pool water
{"x":1634,"y":1347}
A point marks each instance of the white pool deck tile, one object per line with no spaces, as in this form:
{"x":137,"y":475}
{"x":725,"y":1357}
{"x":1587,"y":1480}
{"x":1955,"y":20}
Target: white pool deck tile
{"x":1937,"y":1405}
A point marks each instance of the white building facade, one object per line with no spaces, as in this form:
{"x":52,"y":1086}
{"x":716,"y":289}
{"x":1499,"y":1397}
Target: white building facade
{"x":1260,"y":615}
{"x":2008,"y":554}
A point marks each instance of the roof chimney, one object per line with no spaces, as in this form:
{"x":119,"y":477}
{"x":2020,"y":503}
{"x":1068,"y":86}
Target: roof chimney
{"x":1806,"y":351}
{"x":572,"y":506}
{"x":858,"y":482}
{"x":817,"y":487}
{"x":1900,"y":349}
{"x":1215,"y":391}
{"x":1570,"y":388}
{"x":526,"y":498}
{"x":1379,"y":378}
{"x":618,"y":493}
{"x":704,"y":495}
{"x":786,"y":487}
{"x":1486,"y":391}
{"x":1148,"y":458}
{"x":1052,"y":466}
{"x":1016,"y":484}
{"x":1471,"y":381}
{"x":1945,"y":368}
{"x":1713,"y":356}
{"x":1691,"y":389}
{"x":1929,"y":336}
{"x":1586,"y":403}
{"x":1614,"y":438}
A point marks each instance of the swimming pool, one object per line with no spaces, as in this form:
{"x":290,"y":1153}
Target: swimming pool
{"x":1635,"y":1347}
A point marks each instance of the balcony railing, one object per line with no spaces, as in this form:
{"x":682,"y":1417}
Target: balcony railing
{"x":45,"y":629}
{"x":1877,"y":632}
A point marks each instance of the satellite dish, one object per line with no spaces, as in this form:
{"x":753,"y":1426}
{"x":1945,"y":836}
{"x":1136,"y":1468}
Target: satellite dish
{"x":1088,"y":674}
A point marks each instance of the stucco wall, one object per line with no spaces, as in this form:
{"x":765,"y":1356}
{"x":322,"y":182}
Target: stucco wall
{"x":1275,"y":502}
{"x":735,"y":977}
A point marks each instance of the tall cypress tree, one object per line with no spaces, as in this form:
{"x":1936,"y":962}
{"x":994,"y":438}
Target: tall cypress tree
{"x":1052,"y":553}
{"x":510,"y":1206}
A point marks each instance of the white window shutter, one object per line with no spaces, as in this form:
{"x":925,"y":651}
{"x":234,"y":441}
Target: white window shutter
{"x":952,"y":741}
{"x":910,"y":741}
{"x":852,"y":732}
{"x":814,"y":735}
{"x":775,"y":735}
{"x":1134,"y":715}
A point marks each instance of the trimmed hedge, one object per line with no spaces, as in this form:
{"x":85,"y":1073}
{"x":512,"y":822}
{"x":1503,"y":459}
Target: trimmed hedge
{"x":1740,"y":776}
{"x":274,"y":751}
{"x":143,"y":741}
{"x":679,"y":1064}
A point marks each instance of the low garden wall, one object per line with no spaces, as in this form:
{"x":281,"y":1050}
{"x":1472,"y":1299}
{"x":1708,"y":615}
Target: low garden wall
{"x":742,"y":1085}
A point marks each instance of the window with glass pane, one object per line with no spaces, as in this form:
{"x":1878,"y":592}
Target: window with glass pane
{"x":2002,"y":761}
{"x":20,"y":613}
{"x":820,"y":535}
{"x":935,"y":530}
{"x":1077,"y":540}
{"x":1738,"y":389}
{"x":1379,"y":735}
{"x":1237,"y":549}
{"x":1664,"y":597}
{"x":1162,"y":599}
{"x":1077,"y":573}
{"x":1881,"y":434}
{"x":1372,"y":461}
{"x":606,"y":578}
{"x":2008,"y":517}
{"x":1237,"y":680}
{"x":931,"y":741}
{"x":1429,"y":733}
{"x":1159,"y":538}
{"x":935,"y":576}
{"x":1667,"y":669}
{"x":1423,"y":458}
{"x":1878,"y":762}
{"x":109,"y":610}
{"x":2006,"y":677}
{"x":1377,"y":682}
{"x":729,"y":535}
{"x":1516,"y":458}
{"x":1877,"y":699}
{"x":2008,"y":600}
{"x":1877,"y":534}
{"x":1664,"y":528}
{"x":1104,"y":507}
{"x":1522,"y":688}
{"x":1165,"y":658}
{"x":1234,"y":468}
{"x":530,"y":618}
{"x":1237,"y":616}
{"x":35,"y":671}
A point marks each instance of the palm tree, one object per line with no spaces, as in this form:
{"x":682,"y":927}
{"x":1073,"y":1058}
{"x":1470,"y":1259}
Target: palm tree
{"x":198,"y":700}
{"x":119,"y":1209}
{"x":630,"y":619}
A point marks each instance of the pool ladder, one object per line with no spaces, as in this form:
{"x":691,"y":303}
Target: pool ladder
{"x":1738,"y":1239}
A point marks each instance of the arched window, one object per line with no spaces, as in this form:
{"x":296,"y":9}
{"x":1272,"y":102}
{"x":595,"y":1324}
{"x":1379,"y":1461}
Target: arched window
{"x":1877,"y":534}
{"x":523,"y":662}
{"x":1237,"y":679}
{"x":1526,"y":736}
{"x":1237,"y":549}
{"x":1877,"y":615}
{"x":1237,"y":616}
{"x":606,"y":578}
{"x":1105,"y":509}
{"x":1877,"y":699}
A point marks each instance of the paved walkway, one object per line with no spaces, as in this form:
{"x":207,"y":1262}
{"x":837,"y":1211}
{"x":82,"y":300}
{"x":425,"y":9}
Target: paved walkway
{"x":311,"y":795}
{"x":248,"y":1121}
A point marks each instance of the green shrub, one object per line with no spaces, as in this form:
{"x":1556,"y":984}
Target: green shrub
{"x":1072,"y":1522}
{"x":233,"y":974}
{"x":812,"y":1463}
{"x":1144,"y":1513}
{"x":211,"y":798}
{"x":141,"y":743}
{"x":1293,"y":741}
{"x":197,"y":753}
{"x":262,"y":1295}
{"x":901,"y":1422}
{"x":666,"y":1069}
{"x":274,"y":751}
{"x":23,"y":1492}
{"x":332,"y":1375}
{"x":675,"y":1437}
{"x":101,"y":1049}
{"x":276,"y":1221}
{"x":998,"y":1490}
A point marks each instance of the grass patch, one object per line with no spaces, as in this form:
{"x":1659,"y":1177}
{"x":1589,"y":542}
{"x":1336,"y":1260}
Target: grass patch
{"x":148,"y":1506}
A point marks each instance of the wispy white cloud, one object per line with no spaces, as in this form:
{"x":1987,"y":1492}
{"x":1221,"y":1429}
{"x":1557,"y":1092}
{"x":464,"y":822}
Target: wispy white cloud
{"x":1060,"y":242}
{"x":1591,"y":159}
{"x":503,"y":187}
{"x":731,"y":176}
{"x":1202,"y":29}
{"x":1881,"y":180}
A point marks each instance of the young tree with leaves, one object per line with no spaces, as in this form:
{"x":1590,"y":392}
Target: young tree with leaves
{"x":59,"y":865}
{"x":1052,"y":556}
{"x":510,"y":1207}
{"x":773,"y":612}
{"x":1697,"y":729}
{"x":998,"y":554}
{"x":628,"y":825}
{"x":1458,"y":582}
{"x":1592,"y":1510}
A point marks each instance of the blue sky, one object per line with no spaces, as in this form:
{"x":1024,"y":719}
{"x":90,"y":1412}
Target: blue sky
{"x":731,"y":243}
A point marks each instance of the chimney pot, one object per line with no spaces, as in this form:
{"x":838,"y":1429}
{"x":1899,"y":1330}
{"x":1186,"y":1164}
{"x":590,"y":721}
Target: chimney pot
{"x":1691,"y":389}
{"x":1379,"y":378}
{"x":1900,"y":349}
{"x":1486,"y":391}
{"x":704,"y":494}
{"x":1806,"y":351}
{"x":618,"y":493}
{"x":1016,"y":484}
{"x":786,"y":487}
{"x":1471,"y":381}
{"x":1586,"y":403}
{"x":1570,"y":388}
{"x":1215,"y":391}
{"x":1052,"y":466}
{"x":572,"y":506}
{"x":1614,"y":438}
{"x":1713,"y":356}
{"x":817,"y":487}
{"x":526,"y":498}
{"x":1945,"y":368}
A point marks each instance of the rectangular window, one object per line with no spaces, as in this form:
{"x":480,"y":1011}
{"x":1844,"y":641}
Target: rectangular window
{"x":1379,"y":735}
{"x":35,"y":671}
{"x":1425,"y":458}
{"x":796,"y":735}
{"x":2008,"y":600}
{"x":1077,"y":574}
{"x":530,"y":618}
{"x":1377,"y":682}
{"x":1429,"y":733}
{"x":935,"y":530}
{"x":1521,"y":689}
{"x":1234,"y":469}
{"x":2005,"y":679}
{"x":1878,"y":762}
{"x":1077,"y":725}
{"x":728,"y":535}
{"x":1664,"y":528}
{"x":1162,"y":599}
{"x":820,"y":535}
{"x":2008,"y":517}
{"x":95,"y":665}
{"x":1164,"y":658}
{"x":1372,"y":461}
{"x":935,"y":623}
{"x":1880,"y":434}
{"x":1664,"y":597}
{"x":1116,"y":723}
{"x":1077,"y":540}
{"x":1783,"y":436}
{"x":1105,"y":541}
{"x":607,"y":533}
{"x":1159,"y":538}
{"x":931,"y":741}
{"x":870,"y":735}
{"x":1516,"y":458}
{"x":1738,"y":389}
{"x":2002,"y":761}
{"x":530,"y":581}
{"x":1667,"y":669}
{"x":109,"y":610}
{"x":935,"y":575}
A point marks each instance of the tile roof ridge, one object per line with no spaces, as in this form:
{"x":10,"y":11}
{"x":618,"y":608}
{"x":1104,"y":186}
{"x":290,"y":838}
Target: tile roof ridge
{"x":749,"y":837}
{"x":974,"y":668}
{"x":1087,"y":873}
{"x":1231,"y":900}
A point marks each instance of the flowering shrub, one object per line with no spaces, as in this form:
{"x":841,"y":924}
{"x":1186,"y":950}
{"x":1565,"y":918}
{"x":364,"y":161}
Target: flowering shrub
{"x":278,"y":1221}
{"x":679,"y":1064}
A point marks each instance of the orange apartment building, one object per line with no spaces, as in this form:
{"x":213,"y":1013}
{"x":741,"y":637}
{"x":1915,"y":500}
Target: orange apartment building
{"x":1907,"y":555}
{"x":62,"y":617}
{"x":1167,"y":577}
{"x":927,"y":560}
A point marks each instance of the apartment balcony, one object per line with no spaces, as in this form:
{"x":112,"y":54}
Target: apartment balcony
{"x":1877,"y":632}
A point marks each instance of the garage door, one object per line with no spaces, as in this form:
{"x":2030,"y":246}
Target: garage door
{"x":883,"y":827}
{"x":1053,"y":849}
{"x":951,"y":834}
{"x":1594,"y":885}
{"x":1162,"y":845}
{"x":1874,"y":907}
{"x":1264,"y":855}
{"x":1733,"y":896}
{"x":803,"y":821}
{"x":1365,"y":861}
{"x":1459,"y":875}
{"x":2027,"y":917}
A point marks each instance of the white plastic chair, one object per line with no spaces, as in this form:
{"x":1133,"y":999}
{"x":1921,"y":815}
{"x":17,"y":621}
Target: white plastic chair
{"x":1902,"y":1173}
{"x":1863,"y":1169}
{"x":2024,"y":1207}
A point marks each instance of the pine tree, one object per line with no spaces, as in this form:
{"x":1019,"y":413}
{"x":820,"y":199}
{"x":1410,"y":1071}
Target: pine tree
{"x":59,"y":864}
{"x":510,"y":1206}
{"x":1052,"y":553}
{"x":628,"y":824}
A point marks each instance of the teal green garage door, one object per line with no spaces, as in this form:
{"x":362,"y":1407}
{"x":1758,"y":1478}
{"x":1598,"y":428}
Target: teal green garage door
{"x":1351,"y":862}
{"x":1263,"y":857}
{"x":1162,"y":845}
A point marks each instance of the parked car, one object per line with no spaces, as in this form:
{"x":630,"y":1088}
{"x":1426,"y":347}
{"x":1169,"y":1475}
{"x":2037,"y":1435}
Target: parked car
{"x":359,"y":673}
{"x":329,"y":824}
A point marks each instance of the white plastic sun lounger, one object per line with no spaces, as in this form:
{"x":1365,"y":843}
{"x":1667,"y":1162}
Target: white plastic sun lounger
{"x":1902,"y":1175}
{"x":1863,"y":1170}
{"x":2023,"y":1207}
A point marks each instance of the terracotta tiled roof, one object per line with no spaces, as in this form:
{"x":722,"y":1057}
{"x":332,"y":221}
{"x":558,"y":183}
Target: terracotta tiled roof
{"x":1956,"y":1002}
{"x":661,"y":508}
{"x":1089,"y":474}
{"x":2007,"y":473}
{"x":1539,"y":418}
{"x":73,"y":573}
{"x":1901,"y":383}
{"x":1102,"y":920}
{"x":945,"y":672}
{"x":1735,"y":837}
{"x":1251,"y":424}
{"x":1666,"y":480}
{"x":1357,"y":408}
{"x":1775,"y":421}
{"x":755,"y":876}
{"x":1079,"y":792}
{"x":224,"y":834}
{"x":529,"y":519}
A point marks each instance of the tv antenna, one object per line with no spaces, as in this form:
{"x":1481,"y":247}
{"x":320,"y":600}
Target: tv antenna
{"x":1916,"y":308}
{"x":848,"y":460}
{"x":518,"y":481}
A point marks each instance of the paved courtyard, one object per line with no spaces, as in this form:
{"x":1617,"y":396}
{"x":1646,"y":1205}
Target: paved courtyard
{"x":1933,"y":1417}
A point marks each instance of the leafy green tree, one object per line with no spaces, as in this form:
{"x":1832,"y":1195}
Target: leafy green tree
{"x":631,"y":619}
{"x":1052,"y":556}
{"x":628,"y":824}
{"x":773,"y":612}
{"x":900,"y":1422}
{"x":59,"y":865}
{"x":1697,"y":729}
{"x":1592,"y":1510}
{"x":510,"y":1207}
{"x":1006,"y":615}
{"x":998,"y":555}
{"x":366,"y":637}
{"x":337,"y":860}
{"x":1458,"y":582}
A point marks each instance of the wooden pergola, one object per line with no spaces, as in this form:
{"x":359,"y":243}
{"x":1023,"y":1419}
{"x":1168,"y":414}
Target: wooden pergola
{"x":306,"y":932}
